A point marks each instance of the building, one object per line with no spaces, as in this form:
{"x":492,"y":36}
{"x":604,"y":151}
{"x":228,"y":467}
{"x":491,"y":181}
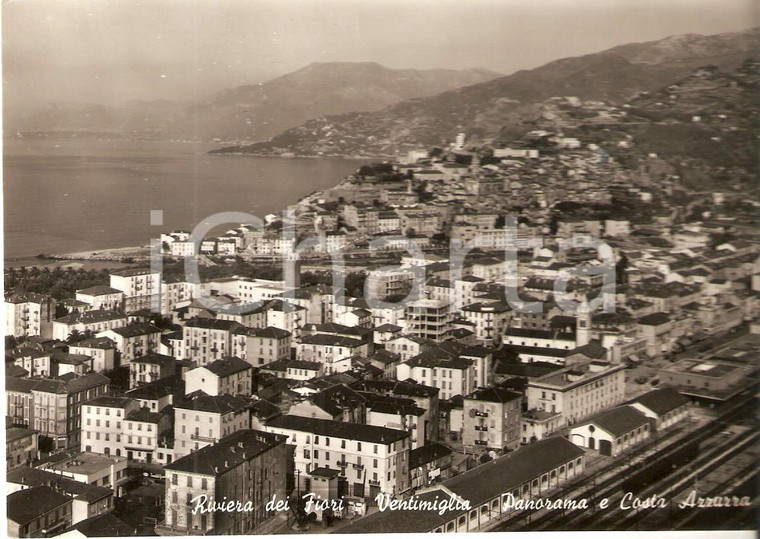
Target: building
{"x":491,"y":320}
{"x":38,"y":512}
{"x":134,"y":340}
{"x":613,"y":431}
{"x":90,"y":468}
{"x":332,"y":350}
{"x":265,"y":345}
{"x":428,"y":464}
{"x":705,"y":378}
{"x":88,"y":501}
{"x":231,"y":376}
{"x":102,"y":350}
{"x":29,"y":314}
{"x":205,"y":419}
{"x":531,"y":472}
{"x":426,"y":397}
{"x":141,"y":288}
{"x":205,"y":340}
{"x":454,"y":368}
{"x":492,"y":419}
{"x":88,"y":321}
{"x":21,"y":447}
{"x":665,"y":406}
{"x":249,"y":466}
{"x":149,"y":368}
{"x":53,"y":407}
{"x":576,"y":392}
{"x":120,"y":426}
{"x":370,"y":459}
{"x":101,"y":297}
{"x":428,"y":318}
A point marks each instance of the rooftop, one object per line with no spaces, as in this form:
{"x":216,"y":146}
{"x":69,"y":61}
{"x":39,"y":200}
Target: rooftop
{"x":618,"y":421}
{"x":339,"y":429}
{"x":229,"y":453}
{"x":29,"y":504}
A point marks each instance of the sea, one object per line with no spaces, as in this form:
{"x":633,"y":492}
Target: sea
{"x":72,"y":195}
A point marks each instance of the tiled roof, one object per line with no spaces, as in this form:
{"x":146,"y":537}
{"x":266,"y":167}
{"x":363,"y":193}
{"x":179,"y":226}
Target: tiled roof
{"x":619,"y":421}
{"x":493,"y":394}
{"x":154,"y":359}
{"x":99,"y":290}
{"x":29,"y":504}
{"x":230,"y":452}
{"x":427,"y":453}
{"x":340,"y":429}
{"x":219,"y":404}
{"x":136,"y":330}
{"x":228,"y":366}
{"x":268,"y":333}
{"x":513,"y":469}
{"x":662,"y":401}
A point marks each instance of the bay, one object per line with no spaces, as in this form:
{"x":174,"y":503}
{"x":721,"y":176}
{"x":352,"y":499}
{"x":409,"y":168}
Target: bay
{"x":70,"y":195}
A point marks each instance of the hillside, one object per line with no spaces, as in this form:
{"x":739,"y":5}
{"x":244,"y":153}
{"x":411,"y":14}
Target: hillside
{"x":260,"y":111}
{"x":483,"y":110}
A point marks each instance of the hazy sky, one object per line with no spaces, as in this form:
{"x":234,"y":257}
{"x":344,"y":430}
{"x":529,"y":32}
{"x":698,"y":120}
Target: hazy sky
{"x":107,"y":51}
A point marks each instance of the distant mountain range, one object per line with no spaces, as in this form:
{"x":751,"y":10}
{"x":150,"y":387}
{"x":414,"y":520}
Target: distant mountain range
{"x":256,"y":112}
{"x":507,"y":104}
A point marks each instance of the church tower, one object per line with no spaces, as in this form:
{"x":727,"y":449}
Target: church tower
{"x":583,"y":324}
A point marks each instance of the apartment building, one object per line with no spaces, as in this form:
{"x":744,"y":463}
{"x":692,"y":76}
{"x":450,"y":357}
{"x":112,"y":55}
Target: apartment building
{"x":575,"y":393}
{"x":205,"y":340}
{"x":492,"y":419}
{"x":141,"y":288}
{"x":265,"y":345}
{"x":490,"y":320}
{"x":53,"y":407}
{"x":149,"y":368}
{"x":205,"y":419}
{"x":103,"y":424}
{"x":101,"y":297}
{"x":29,"y":314}
{"x":134,"y":340}
{"x":92,"y":321}
{"x":231,"y":376}
{"x":251,"y":462}
{"x":102,"y":350}
{"x":332,"y":350}
{"x":370,"y":459}
{"x":428,"y":318}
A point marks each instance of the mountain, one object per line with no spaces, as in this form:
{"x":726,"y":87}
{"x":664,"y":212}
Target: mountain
{"x":260,"y":111}
{"x":505,"y":104}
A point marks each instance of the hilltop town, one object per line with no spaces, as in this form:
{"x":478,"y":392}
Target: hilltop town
{"x":570,"y":308}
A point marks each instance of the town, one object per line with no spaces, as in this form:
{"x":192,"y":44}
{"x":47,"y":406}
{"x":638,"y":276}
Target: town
{"x":426,"y":378}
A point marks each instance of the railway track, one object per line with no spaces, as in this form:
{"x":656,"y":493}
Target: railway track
{"x":559,"y":519}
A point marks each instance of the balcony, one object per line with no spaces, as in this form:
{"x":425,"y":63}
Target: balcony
{"x":481,"y":427}
{"x":478,"y":413}
{"x":200,"y":438}
{"x":481,"y":442}
{"x":374,"y":483}
{"x":357,"y":466}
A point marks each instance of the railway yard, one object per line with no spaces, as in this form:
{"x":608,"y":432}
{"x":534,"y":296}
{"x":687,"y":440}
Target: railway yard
{"x":700,"y":474}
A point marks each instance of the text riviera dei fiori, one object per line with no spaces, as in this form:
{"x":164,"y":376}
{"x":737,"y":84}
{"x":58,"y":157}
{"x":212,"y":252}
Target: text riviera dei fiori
{"x":202,"y":504}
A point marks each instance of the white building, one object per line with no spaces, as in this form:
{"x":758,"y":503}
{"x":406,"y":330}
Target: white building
{"x":371,"y":459}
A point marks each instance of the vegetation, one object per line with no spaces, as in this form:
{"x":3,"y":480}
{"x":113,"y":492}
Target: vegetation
{"x":60,"y":283}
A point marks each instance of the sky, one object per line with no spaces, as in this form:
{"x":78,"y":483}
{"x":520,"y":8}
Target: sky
{"x":111,"y":51}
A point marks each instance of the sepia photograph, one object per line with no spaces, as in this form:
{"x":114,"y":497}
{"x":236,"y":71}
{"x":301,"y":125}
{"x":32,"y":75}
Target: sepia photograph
{"x":288,"y":267}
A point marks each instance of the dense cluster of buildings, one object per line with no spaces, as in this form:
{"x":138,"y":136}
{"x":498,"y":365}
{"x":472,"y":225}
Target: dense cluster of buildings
{"x":248,"y":388}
